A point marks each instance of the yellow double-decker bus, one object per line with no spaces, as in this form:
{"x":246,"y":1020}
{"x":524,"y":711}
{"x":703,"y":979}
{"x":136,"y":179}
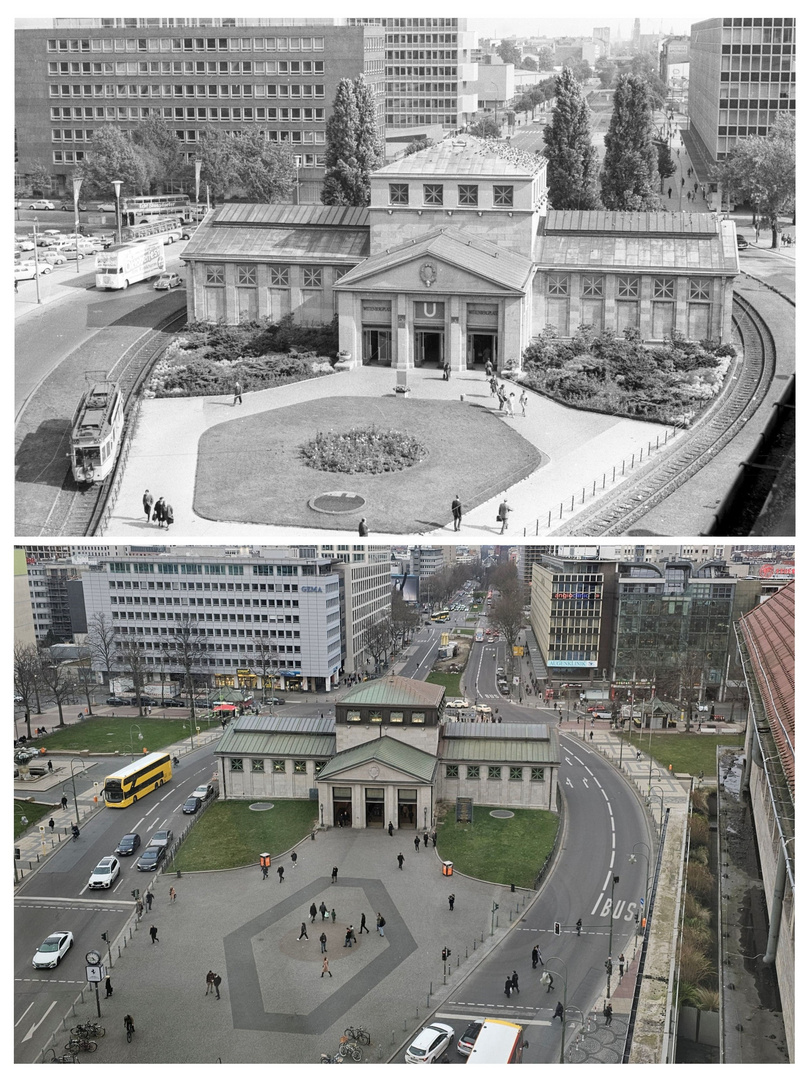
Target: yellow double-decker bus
{"x":137,"y":779}
{"x":499,"y":1042}
{"x":440,"y":616}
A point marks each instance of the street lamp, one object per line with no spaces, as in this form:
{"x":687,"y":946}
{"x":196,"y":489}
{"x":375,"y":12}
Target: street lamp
{"x":546,"y":980}
{"x":609,"y":963}
{"x":117,"y":185}
{"x":661,"y":796}
{"x":36,"y":262}
{"x":77,"y":184}
{"x":73,"y":781}
{"x":632,"y":859}
{"x":132,"y":744}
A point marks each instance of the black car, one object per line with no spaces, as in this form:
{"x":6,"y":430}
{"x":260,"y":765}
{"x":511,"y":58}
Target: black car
{"x":275,"y":700}
{"x":191,"y":805}
{"x":174,"y":703}
{"x":113,"y":700}
{"x":741,"y":242}
{"x":129,"y":844}
{"x":152,"y":857}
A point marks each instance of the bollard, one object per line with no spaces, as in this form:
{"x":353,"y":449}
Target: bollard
{"x":458,"y":959}
{"x":428,"y":1002}
{"x":614,"y":477}
{"x":549,"y":522}
{"x":474,"y":944}
{"x":583,"y":497}
{"x":430,"y":988}
{"x":665,"y":438}
{"x":119,"y":952}
{"x":561,"y":510}
{"x":572,"y":510}
{"x":623,"y":466}
{"x":465,"y":952}
{"x":657,"y":442}
{"x":594,"y":489}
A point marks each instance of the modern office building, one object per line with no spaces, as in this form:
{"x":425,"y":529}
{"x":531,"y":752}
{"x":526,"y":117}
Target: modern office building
{"x":56,"y":592}
{"x":275,"y":76}
{"x":24,"y":629}
{"x":742,"y":76}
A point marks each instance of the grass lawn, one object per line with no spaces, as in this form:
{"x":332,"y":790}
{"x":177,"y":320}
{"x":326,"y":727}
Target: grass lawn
{"x":471,"y":452}
{"x":686,"y":753}
{"x":231,"y":834}
{"x":448,"y":679}
{"x":106,"y":734}
{"x":34,"y":811}
{"x":463,"y":630}
{"x":506,"y":850}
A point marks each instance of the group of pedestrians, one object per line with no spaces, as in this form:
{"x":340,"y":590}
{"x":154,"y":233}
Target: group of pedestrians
{"x":213,"y":981}
{"x":160,"y":511}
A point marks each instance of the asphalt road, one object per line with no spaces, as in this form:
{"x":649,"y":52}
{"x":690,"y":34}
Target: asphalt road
{"x":57,"y":898}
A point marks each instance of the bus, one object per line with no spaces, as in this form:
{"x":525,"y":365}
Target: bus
{"x":479,"y":636}
{"x":499,"y":1042}
{"x":168,"y":229}
{"x":141,"y":209}
{"x":137,"y":779}
{"x":120,"y":267}
{"x":440,"y":616}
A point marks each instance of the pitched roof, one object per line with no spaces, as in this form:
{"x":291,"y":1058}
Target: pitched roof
{"x":395,"y":690}
{"x":388,"y":751}
{"x":235,"y":743}
{"x":466,"y":155}
{"x":454,"y":246}
{"x":309,"y":725}
{"x":535,"y":744}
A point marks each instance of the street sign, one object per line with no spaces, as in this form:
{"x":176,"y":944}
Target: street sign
{"x":94,"y":973}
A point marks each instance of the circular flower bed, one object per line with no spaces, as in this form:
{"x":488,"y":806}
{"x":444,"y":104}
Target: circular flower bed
{"x":363,"y":450}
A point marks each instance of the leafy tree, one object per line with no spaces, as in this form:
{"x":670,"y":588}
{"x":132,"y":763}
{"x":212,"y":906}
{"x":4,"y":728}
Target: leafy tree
{"x":546,"y":59}
{"x":629,"y":167}
{"x":486,"y":128}
{"x":606,"y":71}
{"x":581,"y":68}
{"x":405,"y":619}
{"x":509,"y":53}
{"x":354,"y":146}
{"x":760,"y":169}
{"x":528,"y":64}
{"x":665,"y":164}
{"x":573,"y":162}
{"x":40,"y":180}
{"x":112,"y":155}
{"x":419,"y":144}
{"x":245,"y":161}
{"x":162,"y":152}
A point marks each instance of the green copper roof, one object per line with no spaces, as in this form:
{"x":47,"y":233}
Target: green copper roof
{"x":395,"y":690}
{"x":388,"y":751}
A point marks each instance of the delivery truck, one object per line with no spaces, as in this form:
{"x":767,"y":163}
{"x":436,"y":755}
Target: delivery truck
{"x":123,"y":266}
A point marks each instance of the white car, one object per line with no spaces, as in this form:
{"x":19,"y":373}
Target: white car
{"x":40,"y":204}
{"x":430,"y":1044}
{"x":171,"y":236}
{"x":202,"y":792}
{"x":458,"y":703}
{"x":24,"y":245}
{"x":106,"y":207}
{"x":105,"y":873}
{"x":22,"y":271}
{"x":168,"y":281}
{"x":53,"y":949}
{"x":55,"y":258}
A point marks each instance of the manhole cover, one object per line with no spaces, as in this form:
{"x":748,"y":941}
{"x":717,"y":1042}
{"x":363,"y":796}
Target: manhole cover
{"x":501,"y":813}
{"x":337,"y":502}
{"x":261,"y":806}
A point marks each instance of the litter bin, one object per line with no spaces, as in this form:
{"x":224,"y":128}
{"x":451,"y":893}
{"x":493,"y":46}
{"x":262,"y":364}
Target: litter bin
{"x":447,"y":869}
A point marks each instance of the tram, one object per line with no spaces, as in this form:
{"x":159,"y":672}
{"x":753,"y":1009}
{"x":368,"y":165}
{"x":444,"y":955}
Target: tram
{"x":95,"y":434}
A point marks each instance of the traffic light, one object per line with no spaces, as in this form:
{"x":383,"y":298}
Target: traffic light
{"x":557,"y":929}
{"x":445,"y":954}
{"x":136,"y":893}
{"x":105,"y":936}
{"x":18,"y":853}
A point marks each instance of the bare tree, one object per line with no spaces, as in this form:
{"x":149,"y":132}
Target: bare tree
{"x":101,"y":639}
{"x":188,"y":647}
{"x":26,"y":679}
{"x":266,"y":660}
{"x":59,"y":680}
{"x":130,"y":654}
{"x":86,"y":680}
{"x":405,"y":619}
{"x":376,"y":640}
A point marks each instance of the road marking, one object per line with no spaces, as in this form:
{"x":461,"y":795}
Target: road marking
{"x":485,"y":1007}
{"x":34,"y":1027}
{"x":31,"y":1006}
{"x":61,"y":902}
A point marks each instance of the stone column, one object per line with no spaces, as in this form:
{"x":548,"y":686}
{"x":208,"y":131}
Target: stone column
{"x":455,"y":348}
{"x":403,"y":335}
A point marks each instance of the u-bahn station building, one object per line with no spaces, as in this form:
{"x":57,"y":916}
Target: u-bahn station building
{"x":390,"y":754}
{"x":458,"y":259}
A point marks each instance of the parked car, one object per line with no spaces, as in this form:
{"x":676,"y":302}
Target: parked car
{"x":106,"y":207}
{"x":174,"y":703}
{"x":40,"y":204}
{"x":741,"y":242}
{"x":55,"y":258}
{"x":471,"y":1032}
{"x":168,"y":281}
{"x":202,"y":792}
{"x":275,"y":700}
{"x":171,"y":236}
{"x":105,"y":873}
{"x":188,"y":231}
{"x":53,"y":949}
{"x":162,"y":838}
{"x":24,"y":245}
{"x":152,"y":857}
{"x":430,"y":1044}
{"x":113,"y":700}
{"x":25,"y":270}
{"x":69,"y":206}
{"x":192,"y":805}
{"x":129,"y":844}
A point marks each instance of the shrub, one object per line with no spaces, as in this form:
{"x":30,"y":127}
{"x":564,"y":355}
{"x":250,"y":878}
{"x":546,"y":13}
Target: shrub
{"x":362,"y":450}
{"x":696,"y":966}
{"x":699,"y":829}
{"x":701,"y":882}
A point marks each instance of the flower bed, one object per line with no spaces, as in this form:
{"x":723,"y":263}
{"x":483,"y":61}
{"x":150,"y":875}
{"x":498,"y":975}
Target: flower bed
{"x":363,"y":450}
{"x":604,"y":373}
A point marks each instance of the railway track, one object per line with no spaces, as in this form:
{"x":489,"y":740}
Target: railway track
{"x":77,"y":509}
{"x":746,"y":386}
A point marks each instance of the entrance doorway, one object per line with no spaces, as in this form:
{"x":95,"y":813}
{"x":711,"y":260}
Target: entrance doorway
{"x":407,"y":808}
{"x":377,"y":347}
{"x":374,"y":807}
{"x":342,"y":806}
{"x":430,"y":347}
{"x":481,"y":348}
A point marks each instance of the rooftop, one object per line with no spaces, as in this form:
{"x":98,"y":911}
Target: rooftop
{"x":469,"y":155}
{"x":388,"y":751}
{"x":395,"y":690}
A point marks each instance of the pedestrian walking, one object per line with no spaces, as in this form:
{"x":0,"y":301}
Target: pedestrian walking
{"x":139,"y":908}
{"x":149,"y":898}
{"x":638,"y":755}
{"x":591,"y":736}
{"x":323,"y":940}
{"x":347,"y":939}
{"x":515,"y":982}
{"x":148,"y":504}
{"x":363,"y":528}
{"x":425,"y":839}
{"x":493,"y":387}
{"x":451,"y":901}
{"x":400,"y":860}
{"x":153,"y":933}
{"x":169,"y":518}
{"x":353,"y":935}
{"x":558,"y":1012}
{"x":52,"y":823}
{"x":502,"y":397}
{"x":433,"y":838}
{"x":456,"y":510}
{"x":159,"y":511}
{"x":332,"y":915}
{"x":488,"y":361}
{"x":293,"y":859}
{"x":416,"y":843}
{"x":217,"y":981}
{"x":579,"y":925}
{"x":64,"y":802}
{"x":622,"y":964}
{"x":508,"y":986}
{"x":488,"y":370}
{"x":50,"y":765}
{"x":511,"y":405}
{"x":280,"y":872}
{"x":325,"y":968}
{"x":363,"y":925}
{"x":503,"y":514}
{"x":209,"y":983}
{"x":536,"y":956}
{"x":313,"y":912}
{"x":608,"y":1012}
{"x":322,"y":907}
{"x":108,"y":987}
{"x":446,"y":371}
{"x":669,"y":192}
{"x":522,"y":401}
{"x":390,"y":826}
{"x":551,"y":983}
{"x":303,"y":932}
{"x":381,"y":922}
{"x":265,"y":871}
{"x":237,"y":392}
{"x":334,"y":874}
{"x":172,"y":894}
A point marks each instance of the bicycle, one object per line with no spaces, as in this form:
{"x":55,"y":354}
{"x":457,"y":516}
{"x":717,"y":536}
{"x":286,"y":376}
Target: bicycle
{"x":327,"y":1060}
{"x":359,"y":1035}
{"x":349,"y":1049}
{"x":65,"y":1059}
{"x":79,"y":1043}
{"x":90,"y":1030}
{"x":129,"y":1023}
